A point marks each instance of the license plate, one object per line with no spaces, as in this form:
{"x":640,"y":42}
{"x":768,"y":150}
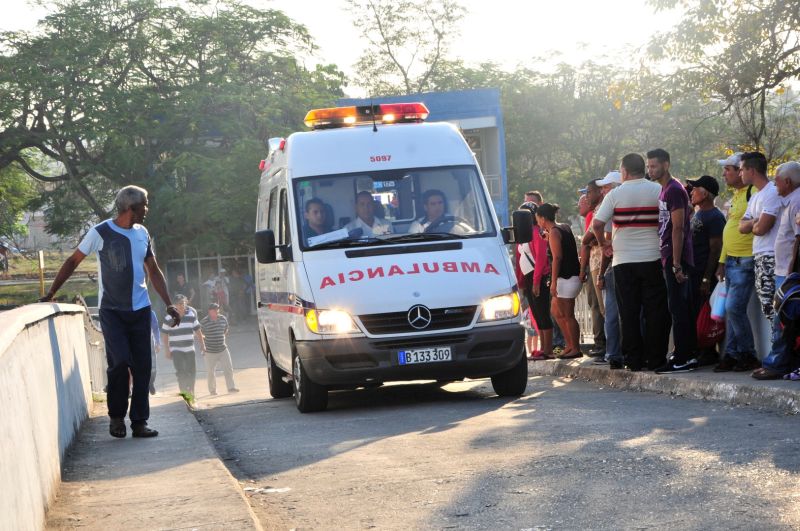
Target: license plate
{"x":424,"y":355}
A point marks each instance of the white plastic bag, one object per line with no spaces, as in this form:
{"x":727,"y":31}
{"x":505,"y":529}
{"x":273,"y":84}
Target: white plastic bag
{"x":717,"y":302}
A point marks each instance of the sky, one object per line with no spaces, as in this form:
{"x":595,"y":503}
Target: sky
{"x":507,"y":32}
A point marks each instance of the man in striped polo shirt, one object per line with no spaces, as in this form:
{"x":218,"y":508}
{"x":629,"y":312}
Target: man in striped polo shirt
{"x":638,"y":273}
{"x":215,"y":328}
{"x":179,"y":344}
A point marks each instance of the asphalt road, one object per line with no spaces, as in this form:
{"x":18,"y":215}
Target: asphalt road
{"x":568,"y":455}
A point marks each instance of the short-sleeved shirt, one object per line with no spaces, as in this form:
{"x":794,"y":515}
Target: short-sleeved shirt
{"x":379,"y":227}
{"x":706,"y":224}
{"x":734,"y":243}
{"x":766,"y":201}
{"x":121,"y":255}
{"x":673,"y":196}
{"x":185,"y":290}
{"x":787,"y":231}
{"x":633,"y":209}
{"x":595,"y":252}
{"x":214,"y":331}
{"x":181,"y":337}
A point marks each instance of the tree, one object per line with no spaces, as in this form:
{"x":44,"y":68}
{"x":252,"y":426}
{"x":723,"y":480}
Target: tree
{"x":16,"y":192}
{"x":735,"y":52}
{"x":407,"y":42}
{"x":176,"y":99}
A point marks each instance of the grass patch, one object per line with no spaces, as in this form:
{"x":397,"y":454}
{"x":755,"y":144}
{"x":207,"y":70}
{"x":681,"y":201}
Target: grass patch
{"x":27,"y":293}
{"x":20,"y":266}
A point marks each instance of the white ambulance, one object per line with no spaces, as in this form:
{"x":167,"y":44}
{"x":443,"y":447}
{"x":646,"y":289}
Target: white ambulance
{"x":380,"y":259}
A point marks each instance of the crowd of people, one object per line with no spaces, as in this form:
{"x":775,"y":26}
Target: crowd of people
{"x":653,"y":253}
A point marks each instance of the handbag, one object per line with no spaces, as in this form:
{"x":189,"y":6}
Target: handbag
{"x":709,"y":330}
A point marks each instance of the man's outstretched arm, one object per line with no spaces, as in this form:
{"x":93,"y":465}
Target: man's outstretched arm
{"x":67,"y":268}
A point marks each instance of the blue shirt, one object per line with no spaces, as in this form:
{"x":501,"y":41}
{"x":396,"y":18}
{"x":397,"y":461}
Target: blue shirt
{"x":121,"y":254}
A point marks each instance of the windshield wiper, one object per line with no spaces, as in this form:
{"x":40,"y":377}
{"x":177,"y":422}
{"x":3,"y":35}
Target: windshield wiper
{"x":420,"y":237}
{"x":338,"y":244}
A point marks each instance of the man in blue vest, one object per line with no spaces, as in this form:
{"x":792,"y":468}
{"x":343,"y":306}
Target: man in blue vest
{"x":126,"y":259}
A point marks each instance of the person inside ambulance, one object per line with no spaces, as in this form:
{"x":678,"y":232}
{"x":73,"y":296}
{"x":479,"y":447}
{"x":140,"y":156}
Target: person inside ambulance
{"x":314,"y":215}
{"x":435,"y":206}
{"x":366,"y":221}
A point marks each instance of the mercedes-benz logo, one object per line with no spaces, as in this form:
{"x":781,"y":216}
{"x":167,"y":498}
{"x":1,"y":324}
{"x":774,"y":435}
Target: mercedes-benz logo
{"x":419,"y":317}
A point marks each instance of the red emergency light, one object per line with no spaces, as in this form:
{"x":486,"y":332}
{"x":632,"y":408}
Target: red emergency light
{"x":333,"y":117}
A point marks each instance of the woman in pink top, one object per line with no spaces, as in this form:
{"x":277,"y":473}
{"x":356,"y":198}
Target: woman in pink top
{"x":535,"y":285}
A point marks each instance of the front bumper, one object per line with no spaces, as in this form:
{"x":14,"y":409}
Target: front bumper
{"x":476,"y":353}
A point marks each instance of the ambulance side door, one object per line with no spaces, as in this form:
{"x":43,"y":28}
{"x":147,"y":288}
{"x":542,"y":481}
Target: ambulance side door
{"x":267,"y":275}
{"x":283,"y":277}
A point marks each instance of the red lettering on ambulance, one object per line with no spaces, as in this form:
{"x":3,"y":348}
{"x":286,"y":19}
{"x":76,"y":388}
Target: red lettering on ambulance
{"x":449,"y":267}
{"x":356,"y":275}
{"x":491,"y":269}
{"x":470,"y":267}
{"x":431,"y":268}
{"x":395,"y":270}
{"x":377,"y":272}
{"x":327,"y":281}
{"x":414,"y":270}
{"x":341,"y":278}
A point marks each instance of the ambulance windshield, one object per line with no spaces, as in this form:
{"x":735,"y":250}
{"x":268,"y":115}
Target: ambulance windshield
{"x":393,"y":205}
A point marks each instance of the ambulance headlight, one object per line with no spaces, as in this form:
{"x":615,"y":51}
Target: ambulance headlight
{"x":501,"y":307}
{"x":330,"y":322}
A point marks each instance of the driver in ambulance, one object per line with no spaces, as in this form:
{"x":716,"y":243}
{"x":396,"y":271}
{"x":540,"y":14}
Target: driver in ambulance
{"x":433,"y":202}
{"x":366,"y":220}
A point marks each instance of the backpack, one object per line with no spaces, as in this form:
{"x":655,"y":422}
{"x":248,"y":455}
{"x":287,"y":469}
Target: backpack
{"x":787,"y":300}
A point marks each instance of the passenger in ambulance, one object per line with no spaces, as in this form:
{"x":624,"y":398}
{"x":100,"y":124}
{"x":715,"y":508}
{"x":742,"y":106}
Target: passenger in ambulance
{"x":366,"y":220}
{"x":435,"y":205}
{"x":314,"y":215}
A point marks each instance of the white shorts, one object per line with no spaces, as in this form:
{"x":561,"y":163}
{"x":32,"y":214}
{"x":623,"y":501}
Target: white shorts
{"x":568,"y":288}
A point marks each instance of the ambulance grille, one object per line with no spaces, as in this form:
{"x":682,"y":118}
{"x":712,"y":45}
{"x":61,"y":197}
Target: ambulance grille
{"x":397,"y":322}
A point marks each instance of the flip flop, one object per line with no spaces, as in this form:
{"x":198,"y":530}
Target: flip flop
{"x":570,"y":355}
{"x":794,"y":375}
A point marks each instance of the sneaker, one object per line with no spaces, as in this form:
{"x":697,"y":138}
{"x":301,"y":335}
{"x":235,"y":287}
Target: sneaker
{"x":140,"y":429}
{"x":597,"y":352}
{"x":116,"y":428}
{"x":615,"y":365}
{"x":676,"y":366}
{"x":746,"y":364}
{"x":213,"y":393}
{"x":794,"y":375}
{"x":727,"y":364}
{"x":233,"y":390}
{"x":600,"y":360}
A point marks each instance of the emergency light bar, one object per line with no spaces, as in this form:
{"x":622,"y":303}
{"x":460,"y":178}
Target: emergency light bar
{"x":385,"y":113}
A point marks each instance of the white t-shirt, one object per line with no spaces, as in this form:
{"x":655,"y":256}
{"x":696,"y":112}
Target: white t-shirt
{"x":765,"y":201}
{"x":787,"y":230}
{"x":632,"y":208}
{"x":379,"y":227}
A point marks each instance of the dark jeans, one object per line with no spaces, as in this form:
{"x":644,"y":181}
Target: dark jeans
{"x":127,"y":339}
{"x":540,"y":306}
{"x":641,"y":292}
{"x":679,"y":301}
{"x":185,"y":370}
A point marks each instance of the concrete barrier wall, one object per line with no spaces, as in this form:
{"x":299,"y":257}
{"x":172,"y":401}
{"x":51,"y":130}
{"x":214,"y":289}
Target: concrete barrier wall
{"x":45,"y":395}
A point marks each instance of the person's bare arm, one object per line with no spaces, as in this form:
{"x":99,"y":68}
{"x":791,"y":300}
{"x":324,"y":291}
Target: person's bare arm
{"x":714,"y":251}
{"x":67,"y":268}
{"x":763,"y":224}
{"x":160,"y":285}
{"x":584,"y":262}
{"x":165,"y":342}
{"x":555,"y":250}
{"x":677,"y":217}
{"x":201,"y":340}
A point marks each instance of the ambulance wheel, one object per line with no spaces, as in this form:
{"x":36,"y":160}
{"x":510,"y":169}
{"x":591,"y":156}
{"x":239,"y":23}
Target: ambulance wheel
{"x":309,"y":396}
{"x":277,"y":387}
{"x":513,"y":381}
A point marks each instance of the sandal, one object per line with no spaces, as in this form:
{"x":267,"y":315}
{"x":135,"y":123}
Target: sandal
{"x":570,"y":355}
{"x":537,"y":355}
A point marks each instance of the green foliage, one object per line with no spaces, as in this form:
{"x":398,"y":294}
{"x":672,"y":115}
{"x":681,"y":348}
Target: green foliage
{"x":16,"y":193}
{"x":171,"y":96}
{"x":407,"y":42}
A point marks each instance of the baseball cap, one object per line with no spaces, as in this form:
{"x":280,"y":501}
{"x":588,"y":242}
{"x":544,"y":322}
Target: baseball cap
{"x":733,"y":160}
{"x":529,"y":205}
{"x":213,"y":306}
{"x":612,"y":177}
{"x":707,"y":182}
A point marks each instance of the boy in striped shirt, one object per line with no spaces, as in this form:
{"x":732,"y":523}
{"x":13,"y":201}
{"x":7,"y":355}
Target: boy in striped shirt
{"x":179,"y":344}
{"x":215,"y":351}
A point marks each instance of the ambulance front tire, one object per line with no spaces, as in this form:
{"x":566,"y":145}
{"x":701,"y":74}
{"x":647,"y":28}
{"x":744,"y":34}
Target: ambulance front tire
{"x":308,"y":395}
{"x":513,"y":381}
{"x":277,"y":387}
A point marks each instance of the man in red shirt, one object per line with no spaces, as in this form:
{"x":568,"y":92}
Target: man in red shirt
{"x":590,"y":258}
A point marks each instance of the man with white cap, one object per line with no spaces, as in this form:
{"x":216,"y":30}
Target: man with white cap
{"x":605,"y":281}
{"x":737,"y":269}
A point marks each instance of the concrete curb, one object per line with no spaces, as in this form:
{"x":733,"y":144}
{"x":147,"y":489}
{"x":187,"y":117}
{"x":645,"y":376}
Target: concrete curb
{"x":702,"y":384}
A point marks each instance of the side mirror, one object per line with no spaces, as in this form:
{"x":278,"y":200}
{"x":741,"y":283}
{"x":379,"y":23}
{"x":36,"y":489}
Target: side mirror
{"x":265,"y":246}
{"x":521,"y":230}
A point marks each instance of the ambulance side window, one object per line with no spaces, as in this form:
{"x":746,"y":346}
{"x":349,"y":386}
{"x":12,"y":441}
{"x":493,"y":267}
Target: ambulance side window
{"x":272,"y":216}
{"x":284,"y":236}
